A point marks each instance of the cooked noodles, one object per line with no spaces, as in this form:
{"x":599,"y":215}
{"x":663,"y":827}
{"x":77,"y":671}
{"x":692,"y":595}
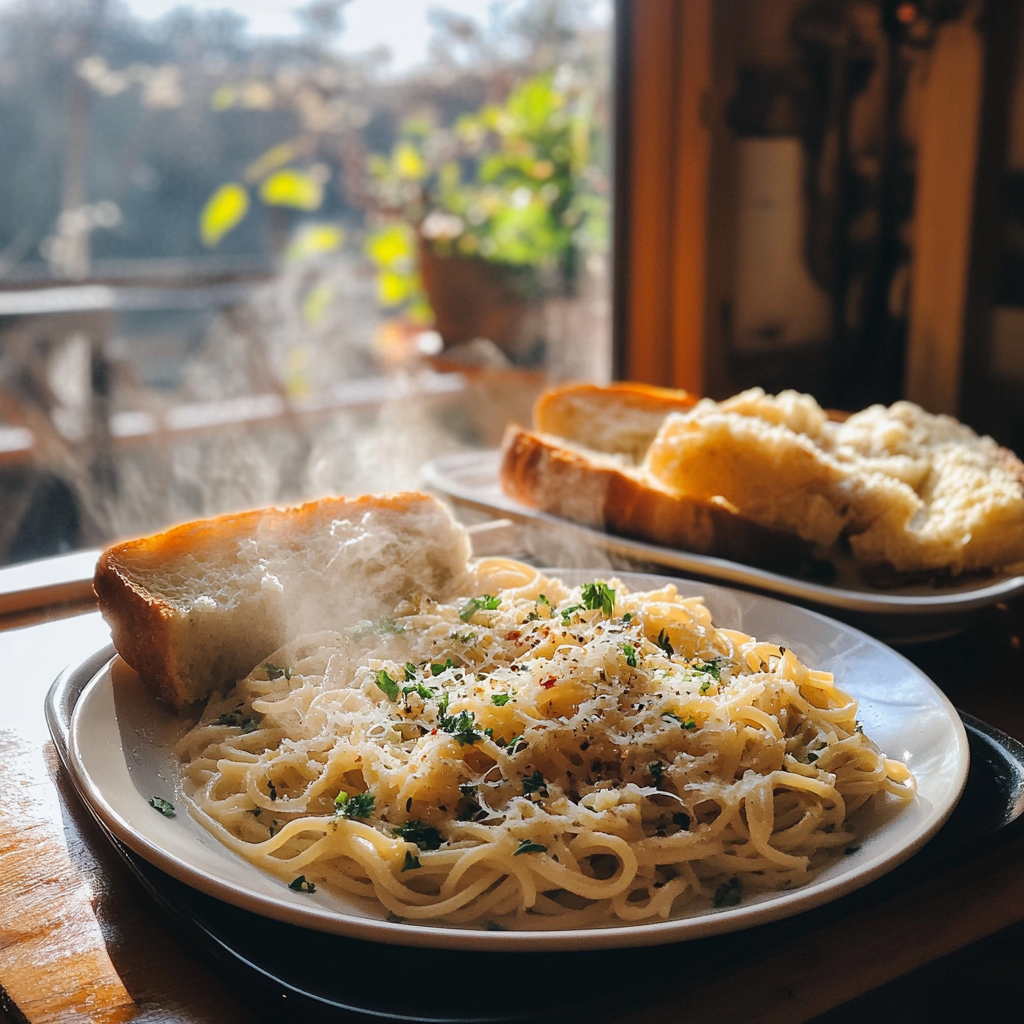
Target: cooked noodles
{"x":579,"y":754}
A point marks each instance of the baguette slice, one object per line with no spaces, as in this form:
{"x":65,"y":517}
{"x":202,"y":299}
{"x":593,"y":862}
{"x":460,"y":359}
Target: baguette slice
{"x":606,"y":492}
{"x":198,"y":607}
{"x":618,"y":418}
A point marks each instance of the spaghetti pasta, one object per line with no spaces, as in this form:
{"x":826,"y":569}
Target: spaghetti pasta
{"x":579,"y":754}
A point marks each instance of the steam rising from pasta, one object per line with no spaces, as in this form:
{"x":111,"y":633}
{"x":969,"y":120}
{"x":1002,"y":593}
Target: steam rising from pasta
{"x":581,"y":755}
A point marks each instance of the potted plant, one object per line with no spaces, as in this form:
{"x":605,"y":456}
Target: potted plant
{"x":472,"y":224}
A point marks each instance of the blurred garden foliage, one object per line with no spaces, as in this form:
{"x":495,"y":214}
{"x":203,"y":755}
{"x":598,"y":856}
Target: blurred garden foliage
{"x":203,"y":143}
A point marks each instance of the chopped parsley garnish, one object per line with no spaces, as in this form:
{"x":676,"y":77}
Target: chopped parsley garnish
{"x":464,"y":638}
{"x":811,"y":757}
{"x":358,"y":805}
{"x":515,"y":743}
{"x":630,"y":652}
{"x":543,"y":600}
{"x":526,"y":846}
{"x":858,"y":728}
{"x":663,"y":643}
{"x":426,"y":837}
{"x":628,"y":617}
{"x":728,"y":894}
{"x":250,"y":725}
{"x":499,"y":700}
{"x":165,"y":807}
{"x":599,"y":595}
{"x":709,"y":668}
{"x":231,"y":717}
{"x":271,"y":790}
{"x":411,"y":862}
{"x":387,"y":684}
{"x":705,"y":686}
{"x":657,"y":770}
{"x":681,"y":819}
{"x":410,"y":672}
{"x":388,"y":624}
{"x":437,"y":669}
{"x":673,"y":715}
{"x":487,"y":603}
{"x":276,"y":671}
{"x":534,"y":784}
{"x":424,"y":691}
{"x":301,"y":885}
{"x":461,"y":727}
{"x":567,"y":613}
{"x":689,"y":723}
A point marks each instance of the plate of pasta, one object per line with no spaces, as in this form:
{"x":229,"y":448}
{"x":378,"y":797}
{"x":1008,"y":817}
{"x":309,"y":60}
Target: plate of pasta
{"x":551,"y":759}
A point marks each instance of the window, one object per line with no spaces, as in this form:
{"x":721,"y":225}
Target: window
{"x":251,"y":255}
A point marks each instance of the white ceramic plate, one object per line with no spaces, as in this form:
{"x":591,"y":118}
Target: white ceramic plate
{"x":120,"y":757}
{"x":900,"y":614}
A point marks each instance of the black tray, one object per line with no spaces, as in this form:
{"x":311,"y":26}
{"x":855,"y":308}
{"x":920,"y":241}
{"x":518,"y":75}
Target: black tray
{"x":288,"y":973}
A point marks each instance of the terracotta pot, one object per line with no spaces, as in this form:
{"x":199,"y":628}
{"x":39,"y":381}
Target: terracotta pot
{"x":472,"y":298}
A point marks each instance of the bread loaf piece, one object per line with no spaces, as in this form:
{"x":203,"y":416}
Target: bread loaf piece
{"x":606,"y":492}
{"x":620,"y":419}
{"x":199,"y":606}
{"x":910,"y":491}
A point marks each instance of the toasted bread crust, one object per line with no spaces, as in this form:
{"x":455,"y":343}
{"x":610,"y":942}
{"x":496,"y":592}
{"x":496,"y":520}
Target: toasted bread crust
{"x":156,"y":632}
{"x":544,"y":473}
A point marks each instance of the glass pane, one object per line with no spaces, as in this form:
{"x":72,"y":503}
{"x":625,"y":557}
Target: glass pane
{"x":253,"y":253}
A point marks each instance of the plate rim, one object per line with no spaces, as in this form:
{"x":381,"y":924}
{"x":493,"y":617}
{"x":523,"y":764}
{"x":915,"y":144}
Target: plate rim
{"x":437,"y":474}
{"x":777,"y":906}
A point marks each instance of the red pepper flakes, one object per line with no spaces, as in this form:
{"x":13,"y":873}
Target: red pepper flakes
{"x":548,"y":683}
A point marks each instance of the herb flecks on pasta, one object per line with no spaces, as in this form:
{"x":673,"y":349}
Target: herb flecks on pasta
{"x":578,"y":754}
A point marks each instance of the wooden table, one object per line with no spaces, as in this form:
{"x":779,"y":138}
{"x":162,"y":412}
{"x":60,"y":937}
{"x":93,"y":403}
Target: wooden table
{"x":81,"y":940}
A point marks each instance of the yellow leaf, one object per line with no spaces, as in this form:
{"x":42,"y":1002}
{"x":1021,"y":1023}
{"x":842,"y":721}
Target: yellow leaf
{"x":317,"y":302}
{"x":292,"y":188}
{"x":392,"y":289}
{"x":224,"y":98}
{"x":391,"y":245}
{"x":314,"y":240}
{"x":222,"y":212}
{"x":276,"y":156}
{"x":408,"y":162}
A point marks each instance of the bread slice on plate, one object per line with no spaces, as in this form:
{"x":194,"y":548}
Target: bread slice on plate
{"x":909,"y":491}
{"x":199,"y":606}
{"x":619,"y":419}
{"x":606,"y":491}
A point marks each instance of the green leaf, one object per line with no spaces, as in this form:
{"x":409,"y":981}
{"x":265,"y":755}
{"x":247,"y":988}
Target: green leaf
{"x":359,"y":805}
{"x":728,"y":894}
{"x":599,"y":595}
{"x":411,"y":862}
{"x":487,"y":603}
{"x":387,"y":684}
{"x":426,"y":837}
{"x":223,"y":212}
{"x":500,"y":699}
{"x":291,"y":188}
{"x":535,"y":784}
{"x":165,"y":807}
{"x":526,"y":846}
{"x":630,"y":653}
{"x":301,"y":885}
